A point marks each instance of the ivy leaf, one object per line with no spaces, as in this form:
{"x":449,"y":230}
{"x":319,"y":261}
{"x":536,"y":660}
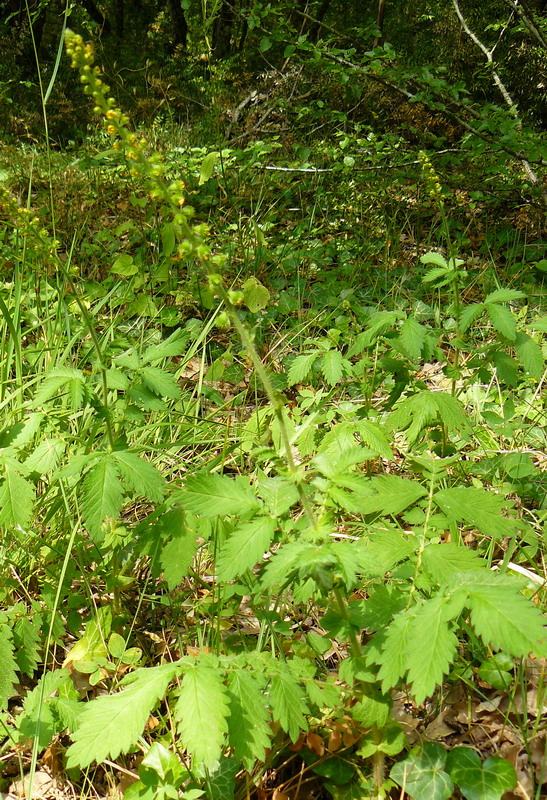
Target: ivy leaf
{"x":201,"y":711}
{"x":143,"y":478}
{"x":249,"y":729}
{"x":431,"y":647}
{"x":478,"y":781}
{"x":245,"y":547}
{"x":477,"y":507}
{"x":422,"y":774}
{"x":300,"y":367}
{"x":213,"y":495}
{"x":8,"y":666}
{"x":110,"y":725}
{"x":288,"y":704}
{"x":16,"y":498}
{"x":412,"y":337}
{"x":503,"y":320}
{"x":102,"y":496}
{"x":530,"y":355}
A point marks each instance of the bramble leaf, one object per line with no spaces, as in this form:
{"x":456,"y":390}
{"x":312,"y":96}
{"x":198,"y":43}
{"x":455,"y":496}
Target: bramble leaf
{"x":412,"y":337}
{"x":249,"y":729}
{"x":288,"y":704}
{"x":102,"y":495}
{"x":477,"y":507}
{"x":8,"y":666}
{"x":16,"y":498}
{"x":431,"y":647}
{"x":143,"y":478}
{"x":300,"y":367}
{"x":212,"y":495}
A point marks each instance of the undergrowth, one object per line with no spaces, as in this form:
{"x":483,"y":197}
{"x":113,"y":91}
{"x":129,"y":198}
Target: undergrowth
{"x":262,"y":503}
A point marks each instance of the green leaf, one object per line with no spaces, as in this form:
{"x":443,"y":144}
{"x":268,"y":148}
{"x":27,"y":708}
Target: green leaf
{"x":288,"y":704}
{"x":503,"y":320}
{"x":373,"y":435}
{"x":72,"y":380}
{"x":478,"y":781}
{"x":337,"y":770}
{"x":45,"y":458}
{"x":441,"y":561}
{"x":412,"y":337}
{"x":425,"y":408}
{"x":422,"y":774}
{"x":393,"y":659}
{"x":383,"y":551}
{"x":300,"y":367}
{"x":124,"y":265}
{"x":431,"y":647}
{"x":222,"y":781}
{"x":168,"y":239}
{"x":249,"y":724}
{"x":174,"y":345}
{"x":332,"y":367}
{"x":17,"y":498}
{"x":479,"y":508}
{"x":110,"y":725}
{"x":212,"y":495}
{"x":160,"y":382}
{"x":207,"y":167}
{"x":389,"y":740}
{"x":504,"y":296}
{"x":255,"y":296}
{"x":469,"y":314}
{"x":26,"y":640}
{"x":177,"y":555}
{"x":102,"y":496}
{"x":392,"y":495}
{"x":245,"y":547}
{"x":506,"y":368}
{"x":505,"y":619}
{"x":530,"y":355}
{"x":497,"y":671}
{"x":143,"y":478}
{"x":434,"y":258}
{"x":201,"y":712}
{"x":8,"y":666}
{"x":279,"y":494}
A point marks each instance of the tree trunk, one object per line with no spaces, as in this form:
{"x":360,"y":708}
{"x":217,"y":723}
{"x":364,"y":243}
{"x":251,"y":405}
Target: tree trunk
{"x":221,"y":46}
{"x":179,"y":23}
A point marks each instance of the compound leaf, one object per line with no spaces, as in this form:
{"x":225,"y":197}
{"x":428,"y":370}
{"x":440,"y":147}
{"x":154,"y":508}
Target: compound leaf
{"x":288,"y":704}
{"x":201,"y":711}
{"x":143,"y":478}
{"x":212,"y":495}
{"x":249,"y":729}
{"x":102,"y":495}
{"x":245,"y":547}
{"x":431,"y":647}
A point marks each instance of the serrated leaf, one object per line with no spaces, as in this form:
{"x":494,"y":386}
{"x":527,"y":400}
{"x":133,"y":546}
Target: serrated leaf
{"x":279,"y":494}
{"x":434,"y":258}
{"x":102,"y":496}
{"x":431,"y":647}
{"x":332,"y":367}
{"x":249,"y":729}
{"x":506,"y":368}
{"x":8,"y":666}
{"x":288,"y":704}
{"x":71,"y":380}
{"x":110,"y":725}
{"x":143,"y":478}
{"x":177,"y":555}
{"x":539,"y":324}
{"x":530,"y":355}
{"x":212,"y":495}
{"x":245,"y":547}
{"x":441,"y":561}
{"x":45,"y":458}
{"x":425,"y":408}
{"x":377,"y":324}
{"x":168,"y":239}
{"x":412,"y":337}
{"x":504,"y":296}
{"x":373,"y":435}
{"x":393,"y":659}
{"x":392,"y":495}
{"x":477,"y":507}
{"x":422,"y":774}
{"x":469,"y":314}
{"x":383,"y":551}
{"x":17,"y":497}
{"x":478,"y":781}
{"x":26,"y":640}
{"x":506,"y":620}
{"x":160,"y":382}
{"x":174,"y":345}
{"x":201,"y":712}
{"x":285,"y":562}
{"x":503,"y":320}
{"x":300,"y":367}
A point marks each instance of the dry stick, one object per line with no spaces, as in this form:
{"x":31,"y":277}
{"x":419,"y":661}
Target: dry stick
{"x":511,"y":105}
